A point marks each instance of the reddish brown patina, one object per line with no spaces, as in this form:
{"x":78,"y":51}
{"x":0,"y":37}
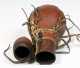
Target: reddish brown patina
{"x":22,"y":49}
{"x":47,"y":24}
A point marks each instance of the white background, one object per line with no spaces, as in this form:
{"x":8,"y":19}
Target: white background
{"x":12,"y":18}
